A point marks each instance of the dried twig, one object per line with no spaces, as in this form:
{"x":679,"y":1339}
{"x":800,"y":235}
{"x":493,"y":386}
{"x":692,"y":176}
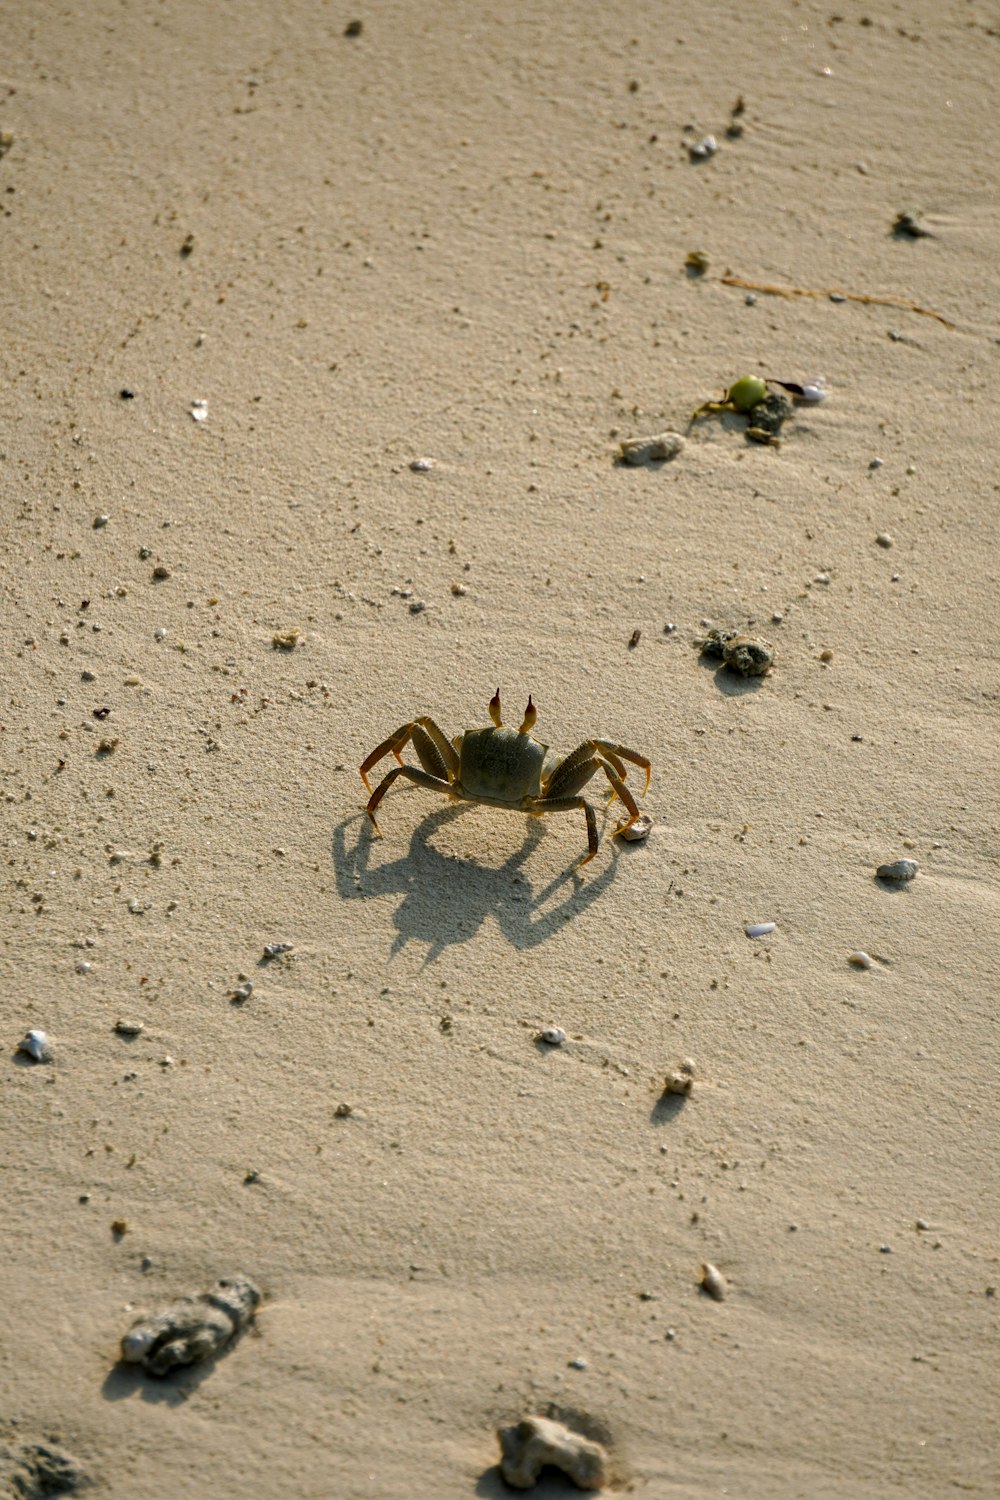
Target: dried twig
{"x":802,"y":291}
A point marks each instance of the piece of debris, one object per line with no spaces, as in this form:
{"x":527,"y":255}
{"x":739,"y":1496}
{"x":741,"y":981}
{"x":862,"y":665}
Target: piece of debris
{"x":750,"y":656}
{"x":193,"y":1328}
{"x":639,"y":830}
{"x":634,"y":639}
{"x":199,"y":411}
{"x":713,"y":1283}
{"x":242,"y":992}
{"x":353,"y":28}
{"x":187,"y":245}
{"x":343,"y":1111}
{"x":35,"y":1044}
{"x":275,"y":950}
{"x":160,"y":572}
{"x":697,"y":261}
{"x":526,"y":1448}
{"x":651,"y":450}
{"x":899,"y":870}
{"x":128,"y":1028}
{"x":908,"y":225}
{"x":38,"y":1471}
{"x":286,"y":640}
{"x":552,"y":1036}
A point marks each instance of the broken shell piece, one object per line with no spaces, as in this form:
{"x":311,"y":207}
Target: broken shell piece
{"x":552,"y":1036}
{"x":638,"y":830}
{"x":713,"y":1283}
{"x":658,"y":449}
{"x":35,"y":1044}
{"x":536,"y":1441}
{"x":192,"y":1328}
{"x":899,"y":870}
{"x":859,"y":960}
{"x":286,"y":640}
{"x":759,"y":929}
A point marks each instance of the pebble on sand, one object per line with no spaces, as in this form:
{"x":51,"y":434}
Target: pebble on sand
{"x":759,"y":929}
{"x":658,"y":449}
{"x":534,"y":1442}
{"x":713,"y":1283}
{"x":193,"y":1328}
{"x":35,"y":1044}
{"x":552,"y":1036}
{"x":859,"y":960}
{"x":899,"y":870}
{"x":639,"y":830}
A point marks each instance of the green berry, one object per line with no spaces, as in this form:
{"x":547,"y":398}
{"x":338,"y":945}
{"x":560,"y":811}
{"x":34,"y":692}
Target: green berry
{"x":746,"y":392}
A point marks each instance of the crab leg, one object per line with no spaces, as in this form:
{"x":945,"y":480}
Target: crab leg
{"x":396,"y":743}
{"x":624,"y":793}
{"x":446,"y":750}
{"x":570,"y":804}
{"x":613,"y":752}
{"x":412,"y":774}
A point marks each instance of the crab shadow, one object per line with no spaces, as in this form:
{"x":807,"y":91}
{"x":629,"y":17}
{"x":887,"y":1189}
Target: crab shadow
{"x":446,"y":899}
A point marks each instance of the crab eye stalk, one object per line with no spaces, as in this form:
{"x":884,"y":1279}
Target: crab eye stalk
{"x":530,"y":715}
{"x":495,"y":709}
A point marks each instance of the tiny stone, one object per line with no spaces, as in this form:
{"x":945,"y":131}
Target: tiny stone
{"x":353,"y":28}
{"x":87,"y":676}
{"x":837,"y":297}
{"x":922,"y":1224}
{"x":101,"y":520}
{"x":275,"y":950}
{"x":875,"y":463}
{"x":884,"y":539}
{"x":669,"y":628}
{"x":885,"y":1249}
{"x":539,"y":1441}
{"x":83,"y":967}
{"x":35,"y":1044}
{"x":859,"y":960}
{"x":286,"y":640}
{"x":700,"y":150}
{"x":417,"y":606}
{"x":553,"y":1036}
{"x":421,"y":465}
{"x":678,"y":1083}
{"x":750,"y":299}
{"x":145,"y":553}
{"x":128,"y":1028}
{"x":639,"y":830}
{"x":161,"y":571}
{"x":578,"y":1363}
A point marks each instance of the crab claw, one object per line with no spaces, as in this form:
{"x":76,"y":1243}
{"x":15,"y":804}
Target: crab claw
{"x":495,"y":709}
{"x":530,"y":715}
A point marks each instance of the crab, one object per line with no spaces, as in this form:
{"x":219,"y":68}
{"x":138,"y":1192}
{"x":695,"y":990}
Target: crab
{"x":504,"y":767}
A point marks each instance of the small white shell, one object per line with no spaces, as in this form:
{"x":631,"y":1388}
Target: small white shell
{"x":35,"y":1044}
{"x":699,"y":150}
{"x":759,"y":929}
{"x":640,"y":829}
{"x":860,"y":959}
{"x":553,"y":1036}
{"x":712,"y":1281}
{"x":199,"y":411}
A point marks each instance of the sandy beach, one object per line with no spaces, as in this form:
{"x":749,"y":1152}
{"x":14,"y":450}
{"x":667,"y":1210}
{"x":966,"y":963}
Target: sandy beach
{"x":319,"y":345}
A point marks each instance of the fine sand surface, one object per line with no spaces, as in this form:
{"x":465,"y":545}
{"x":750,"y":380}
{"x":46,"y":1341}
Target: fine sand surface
{"x":461,"y":235}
